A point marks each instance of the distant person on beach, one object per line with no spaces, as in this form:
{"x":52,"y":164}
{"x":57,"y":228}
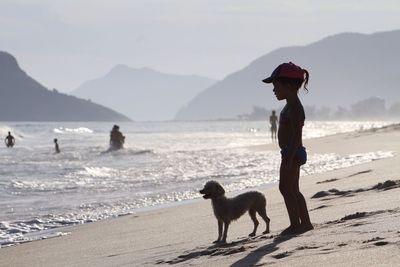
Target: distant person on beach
{"x":57,"y":148}
{"x":9,"y":140}
{"x":273,"y":121}
{"x":117,"y":140}
{"x":287,"y":79}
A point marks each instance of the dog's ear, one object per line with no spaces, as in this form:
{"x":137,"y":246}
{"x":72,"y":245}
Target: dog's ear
{"x":220,"y":190}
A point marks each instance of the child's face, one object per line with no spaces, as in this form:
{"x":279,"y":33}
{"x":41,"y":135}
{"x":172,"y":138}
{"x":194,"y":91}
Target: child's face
{"x":280,"y":90}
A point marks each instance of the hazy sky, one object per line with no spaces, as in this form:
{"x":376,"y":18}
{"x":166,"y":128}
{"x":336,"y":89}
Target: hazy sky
{"x":64,"y":43}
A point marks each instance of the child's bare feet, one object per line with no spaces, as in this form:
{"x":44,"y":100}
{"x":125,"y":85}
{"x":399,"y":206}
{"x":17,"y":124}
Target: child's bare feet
{"x":306,"y":227}
{"x":291,"y":230}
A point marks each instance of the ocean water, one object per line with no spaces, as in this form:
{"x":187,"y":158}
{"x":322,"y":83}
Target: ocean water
{"x":163,"y":162}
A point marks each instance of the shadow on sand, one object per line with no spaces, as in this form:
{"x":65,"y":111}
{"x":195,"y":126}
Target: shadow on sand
{"x":239,"y":246}
{"x":255,"y":256}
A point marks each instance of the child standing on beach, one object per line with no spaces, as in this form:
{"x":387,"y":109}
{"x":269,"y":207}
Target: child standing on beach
{"x":287,"y":79}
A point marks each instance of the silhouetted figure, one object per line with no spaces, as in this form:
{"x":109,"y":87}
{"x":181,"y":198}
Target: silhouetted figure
{"x":57,"y":148}
{"x":117,"y":140}
{"x":287,"y":79}
{"x":274,"y":127}
{"x":9,"y":140}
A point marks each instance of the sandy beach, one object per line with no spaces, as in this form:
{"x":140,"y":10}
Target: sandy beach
{"x":355,"y":212}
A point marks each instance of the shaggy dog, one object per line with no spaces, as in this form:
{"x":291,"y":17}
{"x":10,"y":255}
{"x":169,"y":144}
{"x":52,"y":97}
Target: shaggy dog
{"x":229,"y":209}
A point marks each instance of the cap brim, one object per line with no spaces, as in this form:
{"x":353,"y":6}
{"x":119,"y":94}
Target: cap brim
{"x":267,"y":80}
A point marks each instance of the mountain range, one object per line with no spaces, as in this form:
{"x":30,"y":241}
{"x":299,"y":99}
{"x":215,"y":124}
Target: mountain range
{"x":24,"y":99}
{"x":143,"y":94}
{"x":344,"y":68}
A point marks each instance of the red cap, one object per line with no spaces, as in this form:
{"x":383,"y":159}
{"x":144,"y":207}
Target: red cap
{"x":286,"y":70}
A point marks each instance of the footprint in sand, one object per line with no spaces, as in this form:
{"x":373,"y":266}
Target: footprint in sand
{"x":332,"y":192}
{"x":353,"y":216}
{"x":373,"y":239}
{"x":281,"y":255}
{"x":387,"y":185}
{"x":358,"y":173}
{"x":381,"y":243}
{"x":320,"y":207}
{"x":351,"y":175}
{"x":328,"y":181}
{"x":307,"y":247}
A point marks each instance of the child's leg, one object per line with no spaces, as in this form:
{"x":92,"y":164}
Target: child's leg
{"x":303,"y":211}
{"x":287,"y":184}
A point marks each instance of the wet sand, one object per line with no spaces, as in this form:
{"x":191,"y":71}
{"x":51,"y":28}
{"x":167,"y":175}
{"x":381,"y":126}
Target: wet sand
{"x":355,"y":211}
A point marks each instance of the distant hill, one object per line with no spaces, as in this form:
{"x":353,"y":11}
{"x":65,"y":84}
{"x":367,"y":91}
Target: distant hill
{"x":344,"y":69}
{"x":143,"y":94}
{"x":24,"y":99}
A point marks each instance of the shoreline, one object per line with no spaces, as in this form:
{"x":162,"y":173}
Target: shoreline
{"x":60,"y":231}
{"x":64,"y":230}
{"x":182,"y":234}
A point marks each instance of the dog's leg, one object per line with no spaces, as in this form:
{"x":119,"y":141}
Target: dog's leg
{"x":219,"y":231}
{"x":255,"y":221}
{"x":226,"y":224}
{"x":263,"y":214}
